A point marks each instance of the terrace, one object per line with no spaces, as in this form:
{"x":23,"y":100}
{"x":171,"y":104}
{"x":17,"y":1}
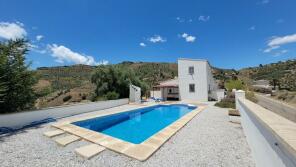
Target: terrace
{"x":209,"y":139}
{"x":206,"y":136}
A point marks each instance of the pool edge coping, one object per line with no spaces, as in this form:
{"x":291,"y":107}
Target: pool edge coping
{"x":140,"y":151}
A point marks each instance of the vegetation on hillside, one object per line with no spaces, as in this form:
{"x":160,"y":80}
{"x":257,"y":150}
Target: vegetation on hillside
{"x":113,"y":82}
{"x":281,"y":74}
{"x":57,"y":82}
{"x":16,"y":80}
{"x":53,"y":86}
{"x":234,"y":84}
{"x":152,"y":73}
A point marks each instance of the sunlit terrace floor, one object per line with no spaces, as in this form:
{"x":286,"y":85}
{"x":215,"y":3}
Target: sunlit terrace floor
{"x":209,"y":139}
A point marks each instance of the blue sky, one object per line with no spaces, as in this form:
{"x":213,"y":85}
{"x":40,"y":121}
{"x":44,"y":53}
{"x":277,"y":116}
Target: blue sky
{"x":228,"y":33}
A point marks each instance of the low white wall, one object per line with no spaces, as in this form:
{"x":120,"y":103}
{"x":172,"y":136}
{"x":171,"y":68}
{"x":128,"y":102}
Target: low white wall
{"x":17,"y":120}
{"x":220,"y":94}
{"x":135,"y":94}
{"x":267,"y":150}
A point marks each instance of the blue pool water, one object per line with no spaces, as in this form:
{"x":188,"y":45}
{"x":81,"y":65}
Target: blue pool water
{"x":136,"y":126}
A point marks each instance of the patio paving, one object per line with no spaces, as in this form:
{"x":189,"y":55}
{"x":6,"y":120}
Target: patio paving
{"x":209,"y":139}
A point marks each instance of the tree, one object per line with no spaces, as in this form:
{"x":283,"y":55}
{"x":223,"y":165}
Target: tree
{"x":16,"y":80}
{"x":115,"y":79}
{"x":274,"y":82}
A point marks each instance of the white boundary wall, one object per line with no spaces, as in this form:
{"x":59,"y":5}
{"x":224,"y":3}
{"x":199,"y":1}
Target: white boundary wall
{"x":135,"y":94}
{"x":17,"y":120}
{"x":267,"y":150}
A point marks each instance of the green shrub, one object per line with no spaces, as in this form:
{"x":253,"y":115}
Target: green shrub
{"x":227,"y":102}
{"x":44,"y":92}
{"x":251,"y":96}
{"x":67,"y":98}
{"x":111,"y":96}
{"x":234,"y":84}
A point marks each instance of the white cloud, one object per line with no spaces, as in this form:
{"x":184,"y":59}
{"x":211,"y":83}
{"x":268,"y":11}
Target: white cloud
{"x":188,"y":38}
{"x":142,"y":44}
{"x":179,"y":19}
{"x":12,"y":30}
{"x":184,"y":20}
{"x":39,"y":37}
{"x":102,"y":62}
{"x":280,"y":53}
{"x":282,"y":40}
{"x":276,"y":42}
{"x":156,"y":39}
{"x":36,"y":48}
{"x":252,"y":28}
{"x":204,"y":18}
{"x":62,"y":54}
{"x":269,"y":49}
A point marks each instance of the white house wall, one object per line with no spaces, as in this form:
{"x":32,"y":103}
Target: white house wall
{"x":199,"y":78}
{"x":212,"y":85}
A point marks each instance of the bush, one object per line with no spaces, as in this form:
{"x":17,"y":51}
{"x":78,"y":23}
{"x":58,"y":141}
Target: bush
{"x":111,"y":96}
{"x":234,"y":84}
{"x":66,"y":91}
{"x":226,"y":103}
{"x":67,"y":98}
{"x":44,"y":92}
{"x":251,"y":96}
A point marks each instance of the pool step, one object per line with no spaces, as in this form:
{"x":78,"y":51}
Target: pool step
{"x":53,"y":133}
{"x":89,"y":151}
{"x":63,"y":141}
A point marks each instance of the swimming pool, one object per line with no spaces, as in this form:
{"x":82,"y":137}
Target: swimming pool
{"x":136,"y":126}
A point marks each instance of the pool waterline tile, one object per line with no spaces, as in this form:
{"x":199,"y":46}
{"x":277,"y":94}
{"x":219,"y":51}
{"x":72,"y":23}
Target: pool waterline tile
{"x":140,"y":151}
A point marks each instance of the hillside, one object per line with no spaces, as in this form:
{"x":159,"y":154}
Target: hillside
{"x":68,"y":84}
{"x":283,"y":74}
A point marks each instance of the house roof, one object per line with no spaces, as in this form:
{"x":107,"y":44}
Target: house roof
{"x":169,"y":83}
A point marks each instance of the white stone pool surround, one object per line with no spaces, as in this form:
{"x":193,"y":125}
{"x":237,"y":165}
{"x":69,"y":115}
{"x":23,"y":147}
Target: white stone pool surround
{"x":140,"y":151}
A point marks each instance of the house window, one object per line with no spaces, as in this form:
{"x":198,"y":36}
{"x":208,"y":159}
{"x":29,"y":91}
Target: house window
{"x":170,"y":90}
{"x":191,"y":70}
{"x":191,"y":87}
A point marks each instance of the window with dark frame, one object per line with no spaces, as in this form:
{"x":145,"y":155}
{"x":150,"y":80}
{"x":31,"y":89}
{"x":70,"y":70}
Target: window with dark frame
{"x":191,"y":87}
{"x":191,"y":70}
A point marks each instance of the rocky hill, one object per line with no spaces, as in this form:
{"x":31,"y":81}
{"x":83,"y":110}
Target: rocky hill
{"x":283,"y":74}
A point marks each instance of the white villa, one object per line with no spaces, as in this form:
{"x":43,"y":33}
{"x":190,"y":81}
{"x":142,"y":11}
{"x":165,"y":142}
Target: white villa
{"x":194,"y":82}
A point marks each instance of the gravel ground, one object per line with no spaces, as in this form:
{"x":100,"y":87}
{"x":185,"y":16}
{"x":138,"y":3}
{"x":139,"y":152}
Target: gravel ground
{"x":209,"y":139}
